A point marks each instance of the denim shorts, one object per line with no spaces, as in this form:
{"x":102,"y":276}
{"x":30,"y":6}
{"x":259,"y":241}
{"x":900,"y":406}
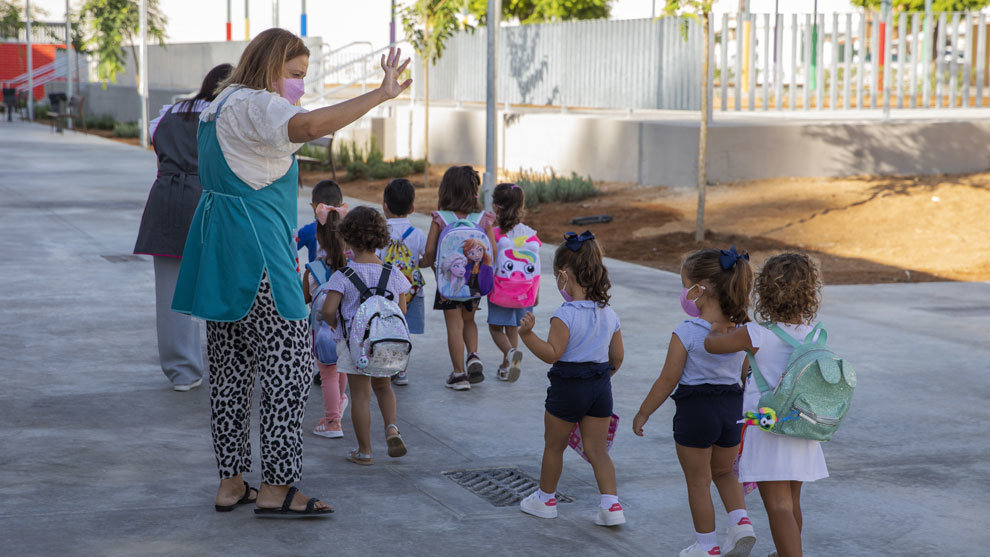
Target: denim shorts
{"x":573,"y":398}
{"x":416,"y":315}
{"x":707,"y":414}
{"x":505,"y":317}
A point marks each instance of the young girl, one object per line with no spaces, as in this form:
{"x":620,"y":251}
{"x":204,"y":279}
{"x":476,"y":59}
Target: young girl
{"x":788,"y":293}
{"x":708,"y":397}
{"x":329,"y":211}
{"x":585,"y":349}
{"x":459,"y":193}
{"x":364,"y":231}
{"x":503,"y":323}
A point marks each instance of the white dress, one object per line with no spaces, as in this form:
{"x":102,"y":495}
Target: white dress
{"x":768,"y":457}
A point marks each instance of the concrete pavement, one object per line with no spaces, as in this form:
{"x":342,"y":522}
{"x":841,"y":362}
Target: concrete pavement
{"x":99,"y":457}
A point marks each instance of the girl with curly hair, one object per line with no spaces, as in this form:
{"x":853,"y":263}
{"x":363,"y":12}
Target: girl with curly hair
{"x":364,"y":230}
{"x":584,"y":348}
{"x":788,"y":293}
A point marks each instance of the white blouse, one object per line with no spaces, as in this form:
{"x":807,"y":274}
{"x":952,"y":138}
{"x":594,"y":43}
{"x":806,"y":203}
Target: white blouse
{"x":253,"y":133}
{"x":199,"y":105}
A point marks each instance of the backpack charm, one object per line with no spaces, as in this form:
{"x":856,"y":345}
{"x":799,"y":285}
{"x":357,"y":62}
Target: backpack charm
{"x":765,"y":419}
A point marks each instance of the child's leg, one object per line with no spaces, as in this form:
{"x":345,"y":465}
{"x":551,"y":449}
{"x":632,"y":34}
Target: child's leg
{"x":455,"y":338}
{"x":470,"y":330}
{"x":501,"y":340}
{"x":361,"y":411}
{"x":696,"y":464}
{"x":386,"y":398}
{"x":342,"y":385}
{"x":594,"y":432}
{"x":796,"y":501}
{"x":729,"y":488}
{"x":329,"y":384}
{"x":779,"y":501}
{"x":512,"y":333}
{"x":555,"y":435}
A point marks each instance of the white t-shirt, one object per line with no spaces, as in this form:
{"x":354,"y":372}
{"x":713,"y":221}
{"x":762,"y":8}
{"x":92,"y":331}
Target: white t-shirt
{"x":416,"y":241}
{"x":771,"y":357}
{"x":253,"y":133}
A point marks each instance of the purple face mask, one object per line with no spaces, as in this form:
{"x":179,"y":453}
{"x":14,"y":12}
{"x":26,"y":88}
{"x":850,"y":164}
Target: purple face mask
{"x":690,"y":307}
{"x":563,"y":292}
{"x":292,"y":89}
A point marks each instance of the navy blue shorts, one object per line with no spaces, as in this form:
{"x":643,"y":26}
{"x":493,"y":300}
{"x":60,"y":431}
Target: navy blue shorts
{"x":571,"y":397}
{"x":707,"y":414}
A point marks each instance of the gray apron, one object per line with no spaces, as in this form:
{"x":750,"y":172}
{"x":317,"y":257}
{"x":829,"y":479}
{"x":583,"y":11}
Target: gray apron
{"x":176,"y":191}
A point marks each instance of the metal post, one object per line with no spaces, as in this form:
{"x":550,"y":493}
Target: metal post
{"x":230,"y":27}
{"x":847,"y":63}
{"x":275,"y":13}
{"x":887,"y":43}
{"x":901,"y":55}
{"x":926,"y":55}
{"x":391,"y":27}
{"x":302,"y":20}
{"x":725,"y":62}
{"x":143,"y":72}
{"x":915,"y":58}
{"x":247,"y":20}
{"x":792,"y":90}
{"x":833,"y":85}
{"x":814,"y":49}
{"x":30,"y":62}
{"x":68,"y":57}
{"x":491,"y":170}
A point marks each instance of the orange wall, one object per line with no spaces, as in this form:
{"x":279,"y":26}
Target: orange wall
{"x":13,"y":61}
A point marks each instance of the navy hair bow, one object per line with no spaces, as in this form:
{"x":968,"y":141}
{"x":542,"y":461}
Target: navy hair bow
{"x":729,"y":258}
{"x":573,"y":241}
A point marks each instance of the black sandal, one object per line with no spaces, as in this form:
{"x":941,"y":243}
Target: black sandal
{"x":242,"y":501}
{"x":285,"y":512}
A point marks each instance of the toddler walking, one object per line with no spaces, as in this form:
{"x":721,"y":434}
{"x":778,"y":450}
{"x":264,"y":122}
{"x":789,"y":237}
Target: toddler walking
{"x":584,"y":348}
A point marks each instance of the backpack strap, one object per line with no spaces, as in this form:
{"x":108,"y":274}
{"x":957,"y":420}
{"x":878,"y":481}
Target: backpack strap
{"x":782,"y":334}
{"x":362,"y":289}
{"x":407,"y":232}
{"x":761,"y":383}
{"x":475,"y":218}
{"x":321,"y":273}
{"x":382,"y":289}
{"x":822,"y":335}
{"x":447,"y":217}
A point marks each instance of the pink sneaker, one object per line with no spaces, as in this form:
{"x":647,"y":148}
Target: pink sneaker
{"x":329,"y":428}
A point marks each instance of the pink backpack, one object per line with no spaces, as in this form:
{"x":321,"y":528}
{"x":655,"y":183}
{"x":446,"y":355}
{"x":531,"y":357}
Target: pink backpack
{"x":517,"y":270}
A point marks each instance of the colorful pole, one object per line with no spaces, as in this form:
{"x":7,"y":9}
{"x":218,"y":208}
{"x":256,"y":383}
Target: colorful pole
{"x":247,"y":21}
{"x":229,"y":26}
{"x":302,"y":20}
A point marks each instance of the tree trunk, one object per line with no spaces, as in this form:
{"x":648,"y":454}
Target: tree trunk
{"x":426,"y":108}
{"x":137,"y":68}
{"x":699,"y":231}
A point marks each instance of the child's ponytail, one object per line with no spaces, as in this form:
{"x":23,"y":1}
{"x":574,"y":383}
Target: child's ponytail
{"x":509,"y":201}
{"x":329,"y":239}
{"x":729,"y":274}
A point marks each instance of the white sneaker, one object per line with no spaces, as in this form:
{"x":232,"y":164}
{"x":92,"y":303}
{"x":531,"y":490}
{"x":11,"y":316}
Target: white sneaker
{"x":611,"y":517}
{"x":696,"y":551}
{"x":189,"y":387}
{"x":515,"y":357}
{"x":740,"y":539}
{"x":532,"y":505}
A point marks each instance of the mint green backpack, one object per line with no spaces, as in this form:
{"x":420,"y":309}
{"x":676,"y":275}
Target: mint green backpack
{"x":813,"y":394}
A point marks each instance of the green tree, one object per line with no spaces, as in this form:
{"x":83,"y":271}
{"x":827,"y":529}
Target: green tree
{"x":695,"y":9}
{"x":428,"y":25}
{"x":919,"y":5}
{"x":112,"y":24}
{"x":538,"y":11}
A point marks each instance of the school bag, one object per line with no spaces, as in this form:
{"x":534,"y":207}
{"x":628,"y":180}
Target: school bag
{"x":813,"y":394}
{"x":517,"y":271}
{"x":456,"y":279}
{"x":324,"y":343}
{"x":378,"y":337}
{"x":398,"y":254}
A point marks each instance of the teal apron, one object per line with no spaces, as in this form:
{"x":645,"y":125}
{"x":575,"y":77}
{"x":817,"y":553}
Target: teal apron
{"x":236,"y":234}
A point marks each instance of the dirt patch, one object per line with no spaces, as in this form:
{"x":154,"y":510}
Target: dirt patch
{"x":863,"y":230}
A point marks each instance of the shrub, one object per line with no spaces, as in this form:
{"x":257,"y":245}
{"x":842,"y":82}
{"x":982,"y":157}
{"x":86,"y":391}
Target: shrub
{"x":41,"y":111}
{"x":374,"y":151}
{"x":357,"y":170}
{"x":126,"y":129}
{"x":343,"y":156}
{"x":554,"y":188}
{"x":419,"y":165}
{"x":101,"y":122}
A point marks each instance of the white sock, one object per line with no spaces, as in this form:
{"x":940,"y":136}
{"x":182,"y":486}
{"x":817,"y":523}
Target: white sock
{"x":608,"y":500}
{"x":706,"y":541}
{"x":544,"y":497}
{"x":736,"y":515}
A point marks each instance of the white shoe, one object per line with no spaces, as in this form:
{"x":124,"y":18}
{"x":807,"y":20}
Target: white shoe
{"x":400,"y":378}
{"x":532,"y":505}
{"x":515,"y":357}
{"x":503,"y":374}
{"x":740,"y":539}
{"x":696,"y":551}
{"x":189,"y":387}
{"x":611,"y":517}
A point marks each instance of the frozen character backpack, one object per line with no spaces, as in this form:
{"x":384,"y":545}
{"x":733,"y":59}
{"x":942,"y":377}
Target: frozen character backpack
{"x":324,"y":343}
{"x":464,"y":270}
{"x":517,"y":269}
{"x":378,"y":337}
{"x":813,"y":394}
{"x":398,"y":254}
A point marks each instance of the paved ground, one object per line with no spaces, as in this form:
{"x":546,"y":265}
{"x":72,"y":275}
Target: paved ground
{"x":99,"y":457}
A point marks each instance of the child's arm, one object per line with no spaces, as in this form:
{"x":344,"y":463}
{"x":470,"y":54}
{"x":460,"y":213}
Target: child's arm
{"x":673,"y":368}
{"x":330,"y":305}
{"x":305,"y":287}
{"x":402,"y":303}
{"x":615,"y":352}
{"x":734,"y":340}
{"x":550,"y":350}
{"x":430,"y":255}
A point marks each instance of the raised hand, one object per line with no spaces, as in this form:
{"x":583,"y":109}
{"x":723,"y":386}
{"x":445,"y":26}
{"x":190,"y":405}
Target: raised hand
{"x":390,"y":85}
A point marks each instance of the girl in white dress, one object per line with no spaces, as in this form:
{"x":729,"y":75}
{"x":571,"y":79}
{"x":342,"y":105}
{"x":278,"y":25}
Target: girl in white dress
{"x":788,"y":293}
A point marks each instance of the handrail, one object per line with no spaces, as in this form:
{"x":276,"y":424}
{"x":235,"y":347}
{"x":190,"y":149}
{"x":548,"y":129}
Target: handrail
{"x":370,"y":55}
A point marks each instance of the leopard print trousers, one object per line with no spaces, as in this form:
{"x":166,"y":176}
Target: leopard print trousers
{"x":279,"y":351}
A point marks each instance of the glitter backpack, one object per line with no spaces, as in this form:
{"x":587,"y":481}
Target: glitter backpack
{"x":378,"y":336}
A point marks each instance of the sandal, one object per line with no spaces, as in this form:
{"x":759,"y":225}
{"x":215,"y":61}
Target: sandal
{"x":285,"y":512}
{"x":242,"y":501}
{"x":396,"y":447}
{"x":360,"y":458}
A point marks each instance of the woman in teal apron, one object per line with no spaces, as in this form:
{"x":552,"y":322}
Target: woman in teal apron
{"x":239,"y":265}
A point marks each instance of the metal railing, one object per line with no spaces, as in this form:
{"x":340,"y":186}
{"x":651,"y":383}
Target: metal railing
{"x":51,"y":71}
{"x":357,"y":70}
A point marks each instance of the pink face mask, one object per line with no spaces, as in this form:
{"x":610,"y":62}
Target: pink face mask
{"x":690,"y":307}
{"x":292,"y":89}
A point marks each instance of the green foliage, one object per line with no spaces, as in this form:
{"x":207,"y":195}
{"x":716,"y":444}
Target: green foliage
{"x":372,"y":165}
{"x":357,"y":169}
{"x":101,"y":122}
{"x":374,"y":151}
{"x":687,"y":7}
{"x":110,"y":24}
{"x":555,"y":189}
{"x":343,"y":156}
{"x":41,"y":111}
{"x":538,"y":11}
{"x":919,"y":5}
{"x":126,"y":129}
{"x":428,"y":24}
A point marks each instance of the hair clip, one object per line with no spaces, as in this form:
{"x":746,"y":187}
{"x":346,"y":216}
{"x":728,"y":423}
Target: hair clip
{"x":728,"y":258}
{"x":573,"y":241}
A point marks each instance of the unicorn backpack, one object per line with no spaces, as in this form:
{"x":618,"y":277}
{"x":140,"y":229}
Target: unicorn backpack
{"x":378,"y":338}
{"x":463,"y":264}
{"x":517,"y":268}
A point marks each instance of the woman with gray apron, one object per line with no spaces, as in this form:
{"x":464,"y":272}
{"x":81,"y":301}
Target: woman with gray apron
{"x":165,"y":224}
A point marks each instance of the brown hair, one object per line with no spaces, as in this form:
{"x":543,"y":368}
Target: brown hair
{"x":328,"y":235}
{"x":207,"y":92}
{"x":508,"y":200}
{"x":731,"y":286}
{"x":364,"y":229}
{"x":459,"y":190}
{"x":262,"y":61}
{"x":472,"y":243}
{"x":788,"y":289}
{"x":588,"y":268}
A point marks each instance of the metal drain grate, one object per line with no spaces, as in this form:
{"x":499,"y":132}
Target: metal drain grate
{"x":502,"y":487}
{"x":129,"y":258}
